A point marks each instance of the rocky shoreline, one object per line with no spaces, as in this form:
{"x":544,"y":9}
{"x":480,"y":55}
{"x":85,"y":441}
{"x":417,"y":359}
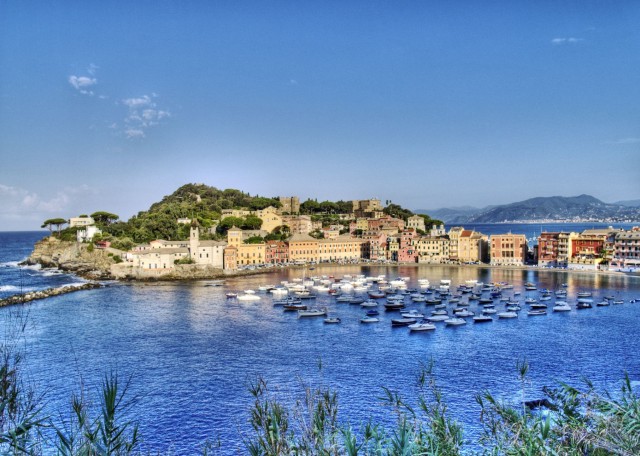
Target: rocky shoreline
{"x":23,"y":298}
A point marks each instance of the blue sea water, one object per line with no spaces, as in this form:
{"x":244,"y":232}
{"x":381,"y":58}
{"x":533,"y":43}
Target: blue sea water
{"x":191,"y":352}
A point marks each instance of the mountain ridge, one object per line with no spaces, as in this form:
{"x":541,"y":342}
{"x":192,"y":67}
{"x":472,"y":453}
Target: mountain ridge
{"x":542,"y":209}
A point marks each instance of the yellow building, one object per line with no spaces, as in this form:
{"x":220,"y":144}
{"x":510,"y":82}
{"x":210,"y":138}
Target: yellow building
{"x":454,"y":239}
{"x":250,"y":254}
{"x":270,"y":218}
{"x":432,"y":249}
{"x":342,"y":248}
{"x":472,"y":246}
{"x":303,"y":248}
{"x":235,"y":213}
{"x":362,"y":224}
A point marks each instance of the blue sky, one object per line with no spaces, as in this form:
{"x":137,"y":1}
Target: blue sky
{"x":112,"y":105}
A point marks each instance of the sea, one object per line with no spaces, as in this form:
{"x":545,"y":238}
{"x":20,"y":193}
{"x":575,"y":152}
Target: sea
{"x":189,"y":354}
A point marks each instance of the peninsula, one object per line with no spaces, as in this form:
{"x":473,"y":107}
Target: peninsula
{"x":201,"y":232}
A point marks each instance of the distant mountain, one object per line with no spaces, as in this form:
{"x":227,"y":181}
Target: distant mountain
{"x":629,"y":203}
{"x":542,"y":209}
{"x":449,"y":214}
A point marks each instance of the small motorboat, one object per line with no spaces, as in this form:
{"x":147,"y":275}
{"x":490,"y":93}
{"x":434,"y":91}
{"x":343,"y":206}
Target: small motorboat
{"x":422,"y":326}
{"x":232,"y":295}
{"x":332,"y":320}
{"x":507,"y":315}
{"x":397,"y":305}
{"x":290,"y":307}
{"x":455,"y":321}
{"x":583,"y":304}
{"x":537,"y":312}
{"x":356,"y":300}
{"x":344,"y":298}
{"x":584,"y":294}
{"x":482,"y":319}
{"x":617,"y":301}
{"x":376,"y":294}
{"x":403,"y":321}
{"x":248,"y":297}
{"x":489,"y":311}
{"x":603,"y":303}
{"x":367,"y":319}
{"x":372,"y":312}
{"x":412,"y":314}
{"x":315,"y":312}
{"x":436,"y":318}
{"x":561,"y":306}
{"x":462,"y":313}
{"x":369,"y":303}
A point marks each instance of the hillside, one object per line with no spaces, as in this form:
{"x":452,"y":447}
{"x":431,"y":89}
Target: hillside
{"x":545,"y":209}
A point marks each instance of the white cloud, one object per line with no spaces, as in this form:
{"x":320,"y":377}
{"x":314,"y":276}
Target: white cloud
{"x":82,"y":83}
{"x":135,"y":103}
{"x":143,"y":113}
{"x":134,"y":133}
{"x":569,"y":40}
{"x":92,"y":69}
{"x":19,"y":200}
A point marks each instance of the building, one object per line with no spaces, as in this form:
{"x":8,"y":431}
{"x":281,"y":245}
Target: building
{"x":81,"y":221}
{"x":626,"y":253}
{"x":290,"y":204}
{"x":87,"y":233}
{"x":298,"y":224}
{"x":548,"y":249}
{"x":374,"y":245}
{"x":416,"y":222}
{"x":162,"y":255}
{"x":454,"y":237}
{"x":565,"y":248}
{"x":270,"y":218}
{"x":407,"y":252}
{"x":432,"y":249}
{"x":276,"y":252}
{"x":508,"y":249}
{"x":366,"y":208}
{"x":588,"y":249}
{"x":342,"y":249}
{"x":302,"y":248}
{"x":473,"y":247}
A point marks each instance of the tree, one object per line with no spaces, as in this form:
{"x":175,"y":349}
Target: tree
{"x":50,"y":223}
{"x":254,"y":240}
{"x":251,"y":222}
{"x":104,"y":218}
{"x":397,"y":211}
{"x":229,"y":222}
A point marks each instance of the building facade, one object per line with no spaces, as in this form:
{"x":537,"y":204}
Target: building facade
{"x":508,"y":249}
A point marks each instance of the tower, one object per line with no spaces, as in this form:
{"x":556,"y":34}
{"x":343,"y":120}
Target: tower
{"x":194,"y":239}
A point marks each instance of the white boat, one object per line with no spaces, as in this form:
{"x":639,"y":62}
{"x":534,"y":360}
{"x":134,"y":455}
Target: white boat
{"x":279,"y":290}
{"x":455,"y":321}
{"x":315,"y":312}
{"x":232,"y":295}
{"x":422,"y":327}
{"x":367,"y":319}
{"x":332,"y":320}
{"x":411,"y":314}
{"x":482,"y":319}
{"x":463,"y":313}
{"x":369,"y":303}
{"x":436,"y":318}
{"x":248,"y":297}
{"x":507,"y":315}
{"x":584,"y":294}
{"x":561,"y":306}
{"x":402,"y":321}
{"x":489,"y":311}
{"x":538,"y":312}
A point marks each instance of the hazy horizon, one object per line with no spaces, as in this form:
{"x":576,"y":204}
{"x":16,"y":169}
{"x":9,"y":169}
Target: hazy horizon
{"x":429,"y":105}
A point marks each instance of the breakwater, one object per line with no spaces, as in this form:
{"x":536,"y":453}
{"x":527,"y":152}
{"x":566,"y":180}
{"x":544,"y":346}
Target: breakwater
{"x":22,"y":298}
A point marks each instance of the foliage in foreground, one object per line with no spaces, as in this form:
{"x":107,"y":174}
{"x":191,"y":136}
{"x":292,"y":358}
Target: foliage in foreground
{"x":575,"y":422}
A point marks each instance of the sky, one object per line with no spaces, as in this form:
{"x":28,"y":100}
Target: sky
{"x":109,"y":105}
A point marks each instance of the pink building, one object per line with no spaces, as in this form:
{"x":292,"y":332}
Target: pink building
{"x":407,"y":252}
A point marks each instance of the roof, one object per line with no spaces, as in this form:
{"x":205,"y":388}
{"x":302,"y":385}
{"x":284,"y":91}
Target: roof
{"x":301,"y":238}
{"x":212,"y":243}
{"x":466,"y":233}
{"x":162,"y":251}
